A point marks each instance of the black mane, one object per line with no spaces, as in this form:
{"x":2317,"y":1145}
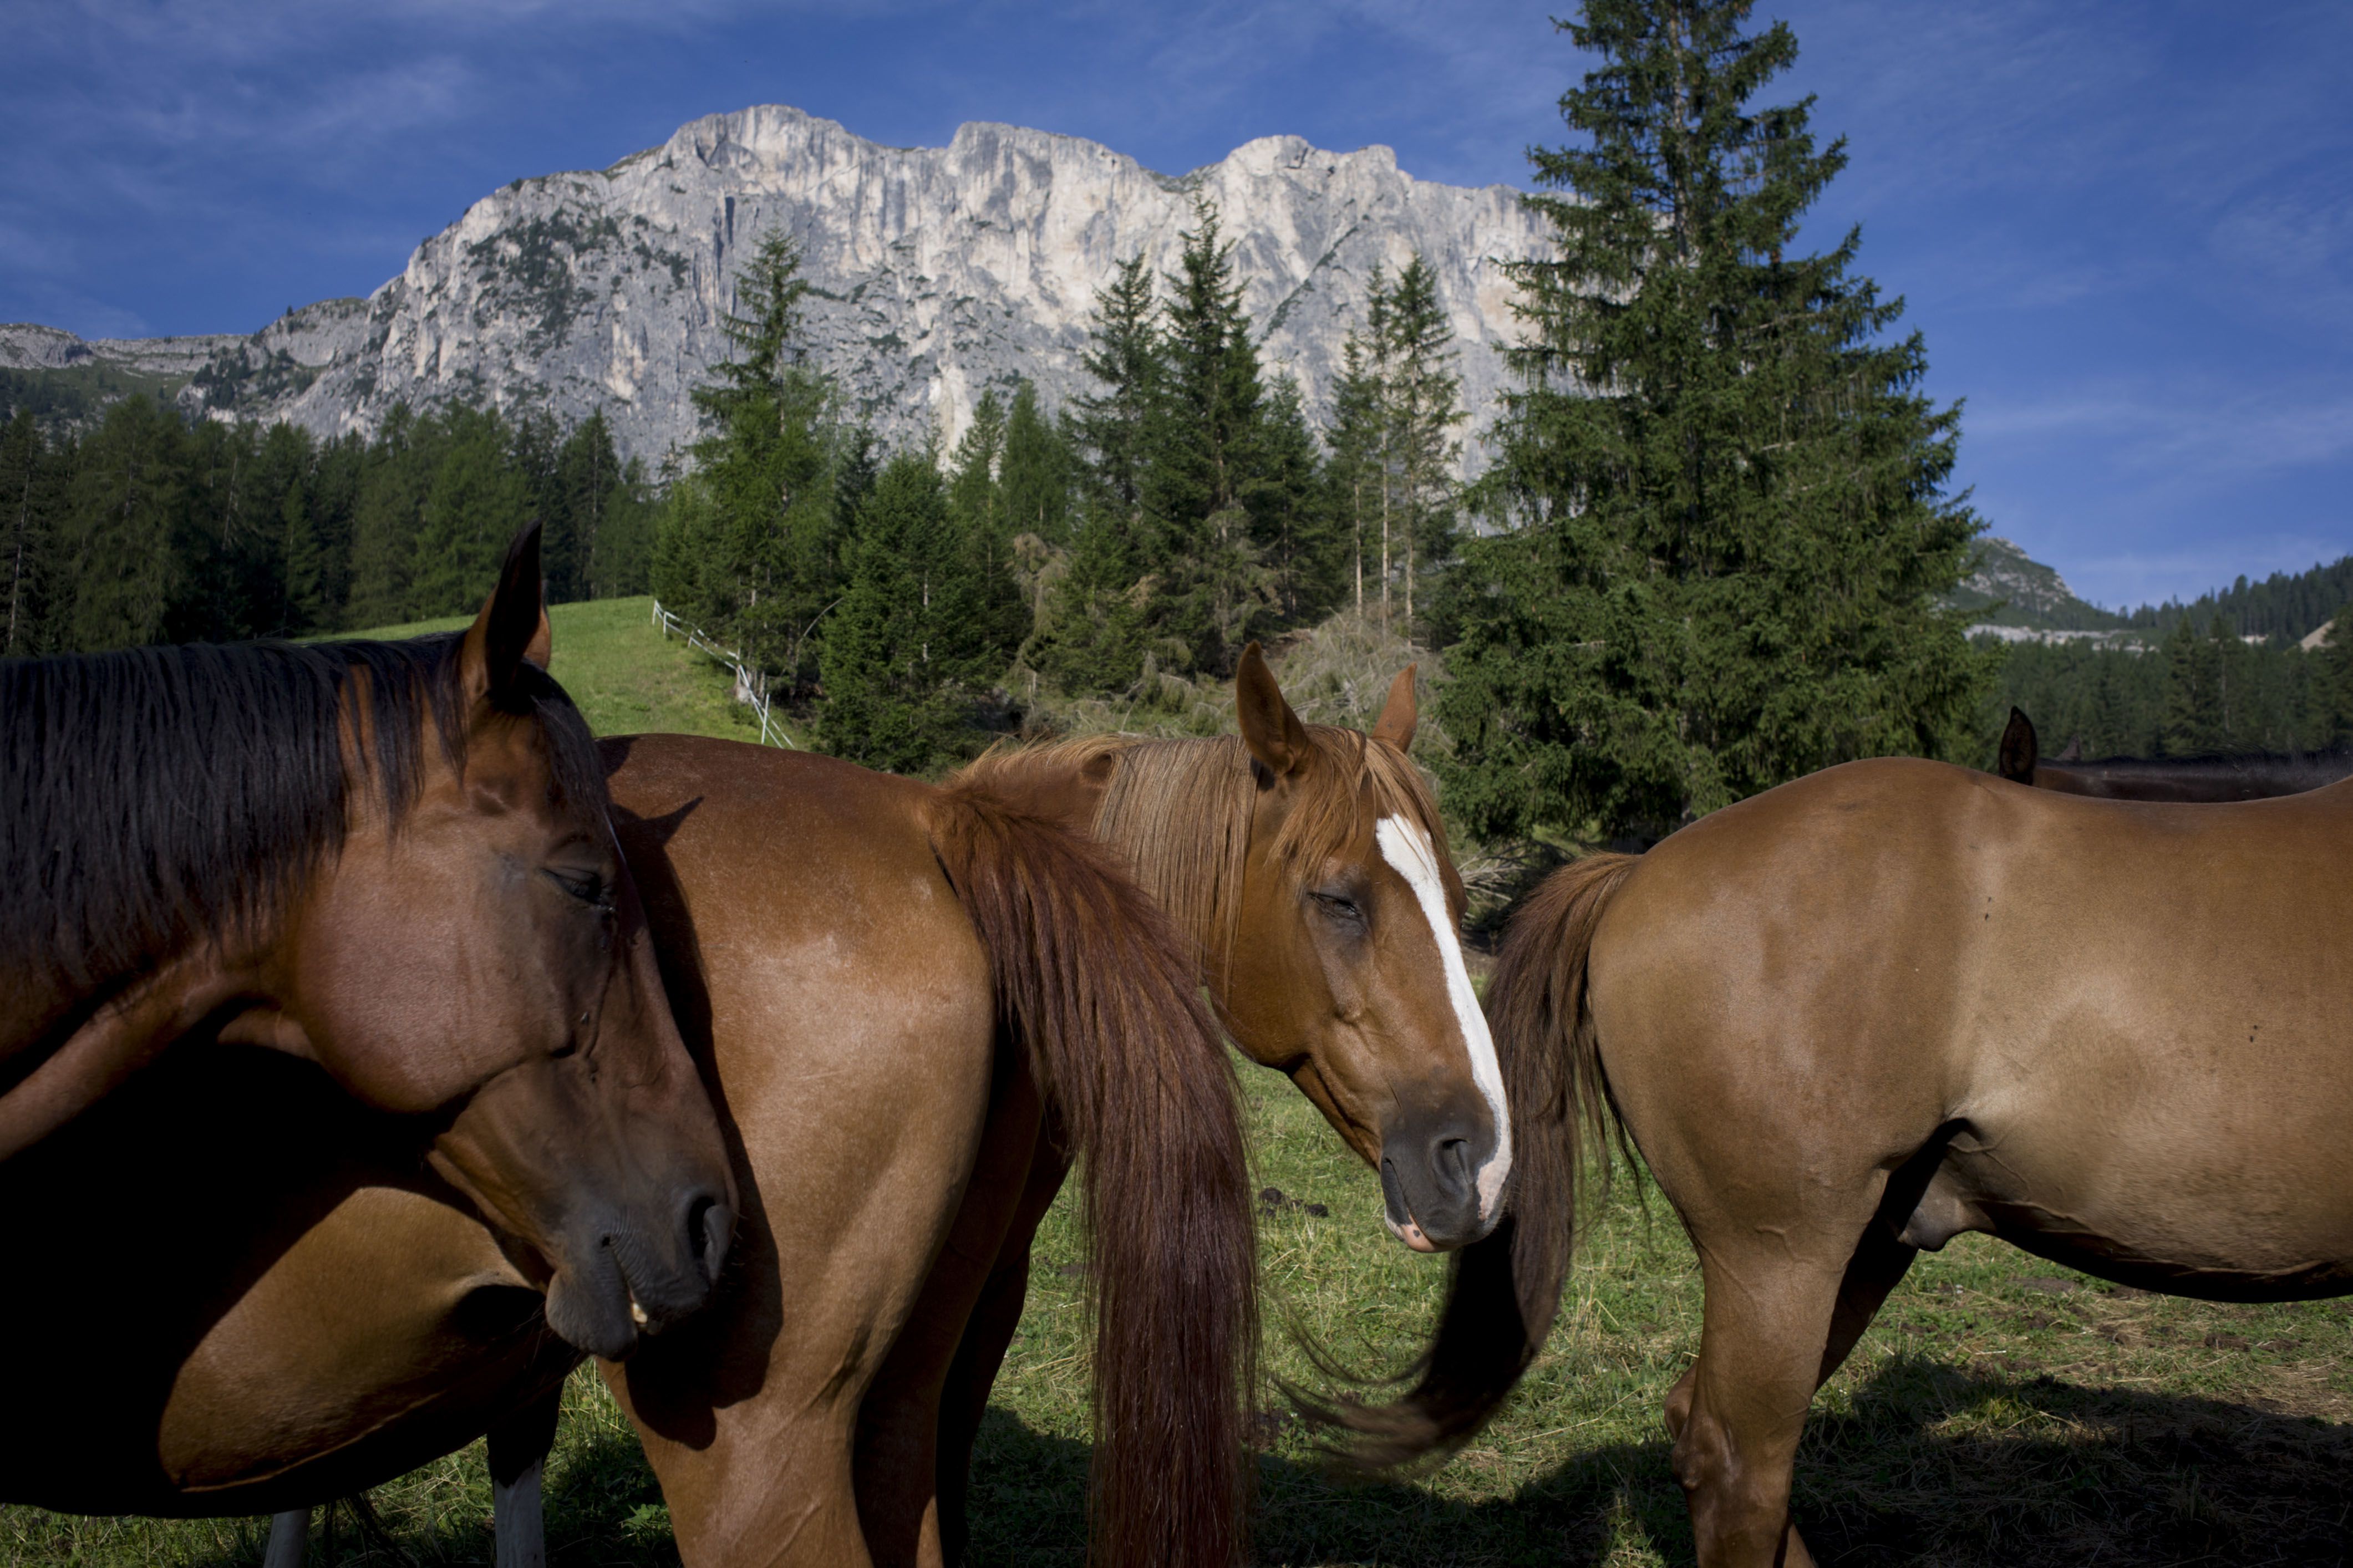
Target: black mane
{"x":156,"y":796}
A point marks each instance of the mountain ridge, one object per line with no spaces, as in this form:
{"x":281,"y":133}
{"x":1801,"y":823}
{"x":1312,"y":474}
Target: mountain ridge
{"x":938,"y":273}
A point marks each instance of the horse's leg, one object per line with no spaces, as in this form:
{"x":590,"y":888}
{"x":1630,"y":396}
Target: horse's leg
{"x":898,"y":1465}
{"x":987,"y":1334}
{"x":518,"y":1447}
{"x":1877,"y":1266}
{"x":1736,"y":1416}
{"x":289,"y":1537}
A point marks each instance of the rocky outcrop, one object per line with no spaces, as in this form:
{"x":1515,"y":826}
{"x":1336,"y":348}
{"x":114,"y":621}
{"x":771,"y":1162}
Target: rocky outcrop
{"x":939,"y":272}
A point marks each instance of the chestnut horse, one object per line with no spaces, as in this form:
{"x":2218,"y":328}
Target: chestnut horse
{"x":2247,"y":775}
{"x":1308,"y":866}
{"x":877,"y":976}
{"x":1856,"y":1015}
{"x":392,"y":860}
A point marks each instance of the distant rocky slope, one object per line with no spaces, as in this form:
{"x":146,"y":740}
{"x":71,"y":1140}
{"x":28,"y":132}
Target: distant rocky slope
{"x":939,"y":272}
{"x":2020,"y":599}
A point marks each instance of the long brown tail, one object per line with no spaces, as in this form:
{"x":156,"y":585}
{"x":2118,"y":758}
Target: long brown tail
{"x":1092,"y":980}
{"x":1505,"y":1291}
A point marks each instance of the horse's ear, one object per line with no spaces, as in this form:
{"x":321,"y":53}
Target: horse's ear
{"x":2016,"y":762}
{"x":511,"y":628}
{"x":2074,"y":751}
{"x":1399,"y":713}
{"x":1270,"y":728}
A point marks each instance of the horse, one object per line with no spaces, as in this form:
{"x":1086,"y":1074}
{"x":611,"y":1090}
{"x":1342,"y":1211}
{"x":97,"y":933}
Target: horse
{"x":1307,"y":867}
{"x":391,"y":861}
{"x":2246,"y":775}
{"x":1854,"y":1017}
{"x":873,"y":974}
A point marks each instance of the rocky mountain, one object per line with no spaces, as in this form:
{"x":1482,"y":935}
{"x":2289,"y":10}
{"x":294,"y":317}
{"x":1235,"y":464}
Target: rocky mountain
{"x":939,"y":272}
{"x":2023,"y":600}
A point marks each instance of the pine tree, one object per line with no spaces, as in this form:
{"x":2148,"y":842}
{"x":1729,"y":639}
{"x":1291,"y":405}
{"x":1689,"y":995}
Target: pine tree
{"x":903,"y":652}
{"x":585,"y":483}
{"x":1091,"y":636}
{"x":130,"y":502}
{"x":1424,"y":406}
{"x":1110,"y":428}
{"x":1205,"y":456}
{"x":1035,"y":472}
{"x":751,"y":548}
{"x":1290,"y":509}
{"x":977,"y":501}
{"x":391,"y":494}
{"x":33,"y":481}
{"x":478,"y":497}
{"x":1354,"y":473}
{"x":1724,"y":526}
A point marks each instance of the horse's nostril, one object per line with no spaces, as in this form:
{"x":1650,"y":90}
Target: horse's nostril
{"x":1453,"y":1161}
{"x":710,"y":1224}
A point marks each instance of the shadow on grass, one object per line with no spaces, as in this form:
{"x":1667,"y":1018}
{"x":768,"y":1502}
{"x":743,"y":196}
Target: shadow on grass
{"x":1933,"y":1464}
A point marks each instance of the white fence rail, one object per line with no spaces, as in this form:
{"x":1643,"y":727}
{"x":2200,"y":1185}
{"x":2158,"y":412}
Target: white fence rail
{"x":751,"y":686}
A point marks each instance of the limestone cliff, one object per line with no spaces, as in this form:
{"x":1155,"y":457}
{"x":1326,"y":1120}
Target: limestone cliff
{"x":939,"y":272}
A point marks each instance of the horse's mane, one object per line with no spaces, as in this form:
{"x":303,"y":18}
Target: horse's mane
{"x":151,"y":797}
{"x":1178,"y":814}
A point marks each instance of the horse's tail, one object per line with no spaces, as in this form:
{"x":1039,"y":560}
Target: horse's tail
{"x":1092,"y":981}
{"x":1505,"y":1291}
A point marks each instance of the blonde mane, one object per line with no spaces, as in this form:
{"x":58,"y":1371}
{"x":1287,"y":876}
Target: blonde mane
{"x":1178,"y":812}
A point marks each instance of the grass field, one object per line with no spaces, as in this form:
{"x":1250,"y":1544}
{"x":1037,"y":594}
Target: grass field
{"x":624,"y":675}
{"x":2001,"y":1412}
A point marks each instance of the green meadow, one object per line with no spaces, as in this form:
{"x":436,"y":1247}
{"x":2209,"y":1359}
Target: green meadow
{"x":2002,"y":1411}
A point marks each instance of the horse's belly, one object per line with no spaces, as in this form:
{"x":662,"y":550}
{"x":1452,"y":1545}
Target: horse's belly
{"x":2229,"y":1221}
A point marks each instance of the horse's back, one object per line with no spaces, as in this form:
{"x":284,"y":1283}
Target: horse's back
{"x":2129,"y":1019}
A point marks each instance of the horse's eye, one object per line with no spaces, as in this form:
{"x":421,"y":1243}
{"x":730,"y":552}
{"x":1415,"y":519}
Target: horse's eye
{"x":589,"y":887}
{"x":1339,"y":906}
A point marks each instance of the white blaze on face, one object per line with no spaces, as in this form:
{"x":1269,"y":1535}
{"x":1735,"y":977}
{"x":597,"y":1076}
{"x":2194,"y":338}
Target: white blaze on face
{"x":1408,"y":849}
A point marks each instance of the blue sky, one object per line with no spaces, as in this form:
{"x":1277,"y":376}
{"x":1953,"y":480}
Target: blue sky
{"x":2125,"y":226}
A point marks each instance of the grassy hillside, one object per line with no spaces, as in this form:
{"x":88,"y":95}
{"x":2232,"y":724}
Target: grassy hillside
{"x":627,"y":677}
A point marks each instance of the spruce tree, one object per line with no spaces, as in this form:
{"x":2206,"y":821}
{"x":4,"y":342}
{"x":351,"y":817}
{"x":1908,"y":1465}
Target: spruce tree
{"x":32,"y":495}
{"x":1721,"y":493}
{"x":130,"y":502}
{"x":977,"y":498}
{"x":478,"y":498}
{"x":1206,"y":455}
{"x":1035,"y":472}
{"x":751,"y":549}
{"x":1424,"y":405}
{"x":903,"y":652}
{"x":391,"y":493}
{"x":1092,"y":634}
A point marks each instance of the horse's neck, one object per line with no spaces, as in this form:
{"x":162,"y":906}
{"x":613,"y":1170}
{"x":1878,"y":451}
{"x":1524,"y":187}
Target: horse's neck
{"x":1167,"y":853}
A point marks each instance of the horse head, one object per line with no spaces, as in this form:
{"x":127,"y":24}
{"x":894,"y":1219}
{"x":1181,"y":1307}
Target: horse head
{"x":476,"y":955}
{"x":1344,"y":970}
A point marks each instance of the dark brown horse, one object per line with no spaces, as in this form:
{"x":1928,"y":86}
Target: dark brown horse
{"x":2246,"y":775}
{"x":1860,"y":1013}
{"x":389,"y":859}
{"x":880,"y":978}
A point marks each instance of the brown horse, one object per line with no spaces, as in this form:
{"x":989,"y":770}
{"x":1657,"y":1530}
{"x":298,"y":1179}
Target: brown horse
{"x":2247,"y":775}
{"x":1860,"y":1013}
{"x":391,"y":859}
{"x":878,"y":976}
{"x":1294,"y":881}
